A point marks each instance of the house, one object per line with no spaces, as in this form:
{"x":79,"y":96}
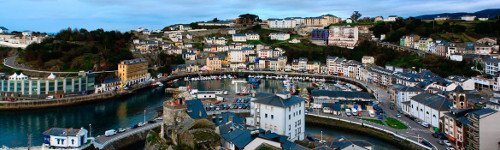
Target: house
{"x":213,"y":63}
{"x":294,"y":41}
{"x":483,"y":129}
{"x":313,"y":67}
{"x":491,"y":66}
{"x":455,"y":126}
{"x":378,"y":19}
{"x":65,"y":137}
{"x":3,"y":30}
{"x":468,"y":18}
{"x":379,"y":75}
{"x":109,"y":84}
{"x":320,"y":36}
{"x":343,"y":36}
{"x":281,"y":113}
{"x":345,"y":144}
{"x":405,"y":78}
{"x":236,"y":56}
{"x":368,"y":60}
{"x":439,"y":18}
{"x":482,"y":49}
{"x":279,"y":36}
{"x":252,"y":36}
{"x":215,"y":41}
{"x":302,"y":64}
{"x":465,"y":83}
{"x":392,"y":18}
{"x":239,"y":38}
{"x":429,"y":108}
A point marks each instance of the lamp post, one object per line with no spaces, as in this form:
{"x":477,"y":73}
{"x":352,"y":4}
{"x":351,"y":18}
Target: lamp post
{"x":90,"y":130}
{"x":144,"y":118}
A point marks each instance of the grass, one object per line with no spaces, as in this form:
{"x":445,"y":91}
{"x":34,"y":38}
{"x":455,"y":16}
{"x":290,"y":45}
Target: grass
{"x":374,"y":121}
{"x":394,"y":123}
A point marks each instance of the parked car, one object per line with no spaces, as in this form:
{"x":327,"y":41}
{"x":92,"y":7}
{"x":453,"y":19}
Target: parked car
{"x":151,"y":121}
{"x":110,"y":132}
{"x":398,"y":115}
{"x":426,"y":143}
{"x":348,"y":112}
{"x":120,"y":130}
{"x":447,"y":143}
{"x":134,"y":126}
{"x":450,"y":148}
{"x":425,"y":124}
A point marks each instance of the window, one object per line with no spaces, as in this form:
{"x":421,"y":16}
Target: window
{"x":265,"y":115}
{"x":289,"y":117}
{"x":427,"y":112}
{"x":72,"y":141}
{"x":300,"y":111}
{"x":272,"y":116}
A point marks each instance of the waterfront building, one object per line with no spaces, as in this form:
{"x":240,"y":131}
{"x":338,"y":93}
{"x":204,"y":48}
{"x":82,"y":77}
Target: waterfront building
{"x":52,"y":85}
{"x":213,"y":63}
{"x":343,"y":36}
{"x":133,"y":71}
{"x":281,"y":113}
{"x":65,"y":138}
{"x":236,"y":56}
{"x":429,"y":108}
{"x":483,"y":129}
{"x":109,"y":84}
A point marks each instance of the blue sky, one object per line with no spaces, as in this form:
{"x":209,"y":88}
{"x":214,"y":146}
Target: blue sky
{"x":123,"y":15}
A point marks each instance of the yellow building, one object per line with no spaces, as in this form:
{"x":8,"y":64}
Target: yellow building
{"x":133,"y":71}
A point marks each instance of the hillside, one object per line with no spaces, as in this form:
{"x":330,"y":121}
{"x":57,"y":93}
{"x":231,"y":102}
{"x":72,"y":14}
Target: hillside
{"x":78,"y":49}
{"x":487,"y":13}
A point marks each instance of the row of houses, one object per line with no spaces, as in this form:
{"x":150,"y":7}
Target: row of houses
{"x":450,"y":50}
{"x":293,"y":22}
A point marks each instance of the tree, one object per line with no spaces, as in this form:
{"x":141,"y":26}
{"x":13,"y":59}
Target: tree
{"x":355,"y":15}
{"x":215,"y":20}
{"x":248,"y":19}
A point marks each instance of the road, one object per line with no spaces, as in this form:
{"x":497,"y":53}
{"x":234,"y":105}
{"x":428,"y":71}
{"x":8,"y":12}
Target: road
{"x":102,"y":141}
{"x":11,"y":63}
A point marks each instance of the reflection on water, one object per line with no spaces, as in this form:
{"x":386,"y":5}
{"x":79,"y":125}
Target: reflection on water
{"x":123,"y":112}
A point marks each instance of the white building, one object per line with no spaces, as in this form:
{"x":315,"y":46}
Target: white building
{"x":429,"y":108}
{"x":294,"y":41}
{"x":439,"y":18}
{"x":282,"y":23}
{"x":239,"y":38}
{"x":4,"y":30}
{"x":403,"y":95}
{"x":252,"y":36}
{"x":281,"y":113}
{"x":343,"y":36}
{"x":391,"y":19}
{"x":215,"y":41}
{"x":468,"y":18}
{"x":483,"y":129}
{"x":65,"y":138}
{"x":236,"y":56}
{"x":491,"y":66}
{"x":368,"y":60}
{"x":465,"y":83}
{"x":483,"y":19}
{"x":279,"y":36}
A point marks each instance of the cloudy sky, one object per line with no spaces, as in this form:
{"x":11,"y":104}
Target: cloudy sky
{"x":53,"y":15}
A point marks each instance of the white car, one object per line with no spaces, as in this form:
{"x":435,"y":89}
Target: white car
{"x":447,"y":143}
{"x":425,"y":124}
{"x":450,"y":148}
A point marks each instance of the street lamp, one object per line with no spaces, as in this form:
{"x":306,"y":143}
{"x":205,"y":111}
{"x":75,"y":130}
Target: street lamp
{"x":144,"y":118}
{"x":90,"y":130}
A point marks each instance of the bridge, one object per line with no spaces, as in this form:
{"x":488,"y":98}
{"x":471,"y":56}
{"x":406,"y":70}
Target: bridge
{"x":237,"y":111}
{"x":102,"y":141}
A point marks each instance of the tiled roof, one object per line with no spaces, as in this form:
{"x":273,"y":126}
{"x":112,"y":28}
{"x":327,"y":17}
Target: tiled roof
{"x":483,"y":112}
{"x":62,"y":132}
{"x":434,"y":101}
{"x":274,"y":100}
{"x":195,"y":109}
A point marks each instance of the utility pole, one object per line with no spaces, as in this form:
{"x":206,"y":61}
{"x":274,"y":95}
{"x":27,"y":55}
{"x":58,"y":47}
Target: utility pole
{"x":29,"y":140}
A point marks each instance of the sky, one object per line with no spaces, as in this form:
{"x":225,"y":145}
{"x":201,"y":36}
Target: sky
{"x":123,"y":15}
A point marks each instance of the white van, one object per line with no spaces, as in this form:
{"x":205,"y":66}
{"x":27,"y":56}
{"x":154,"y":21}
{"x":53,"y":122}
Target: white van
{"x":110,"y":132}
{"x":371,"y":113}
